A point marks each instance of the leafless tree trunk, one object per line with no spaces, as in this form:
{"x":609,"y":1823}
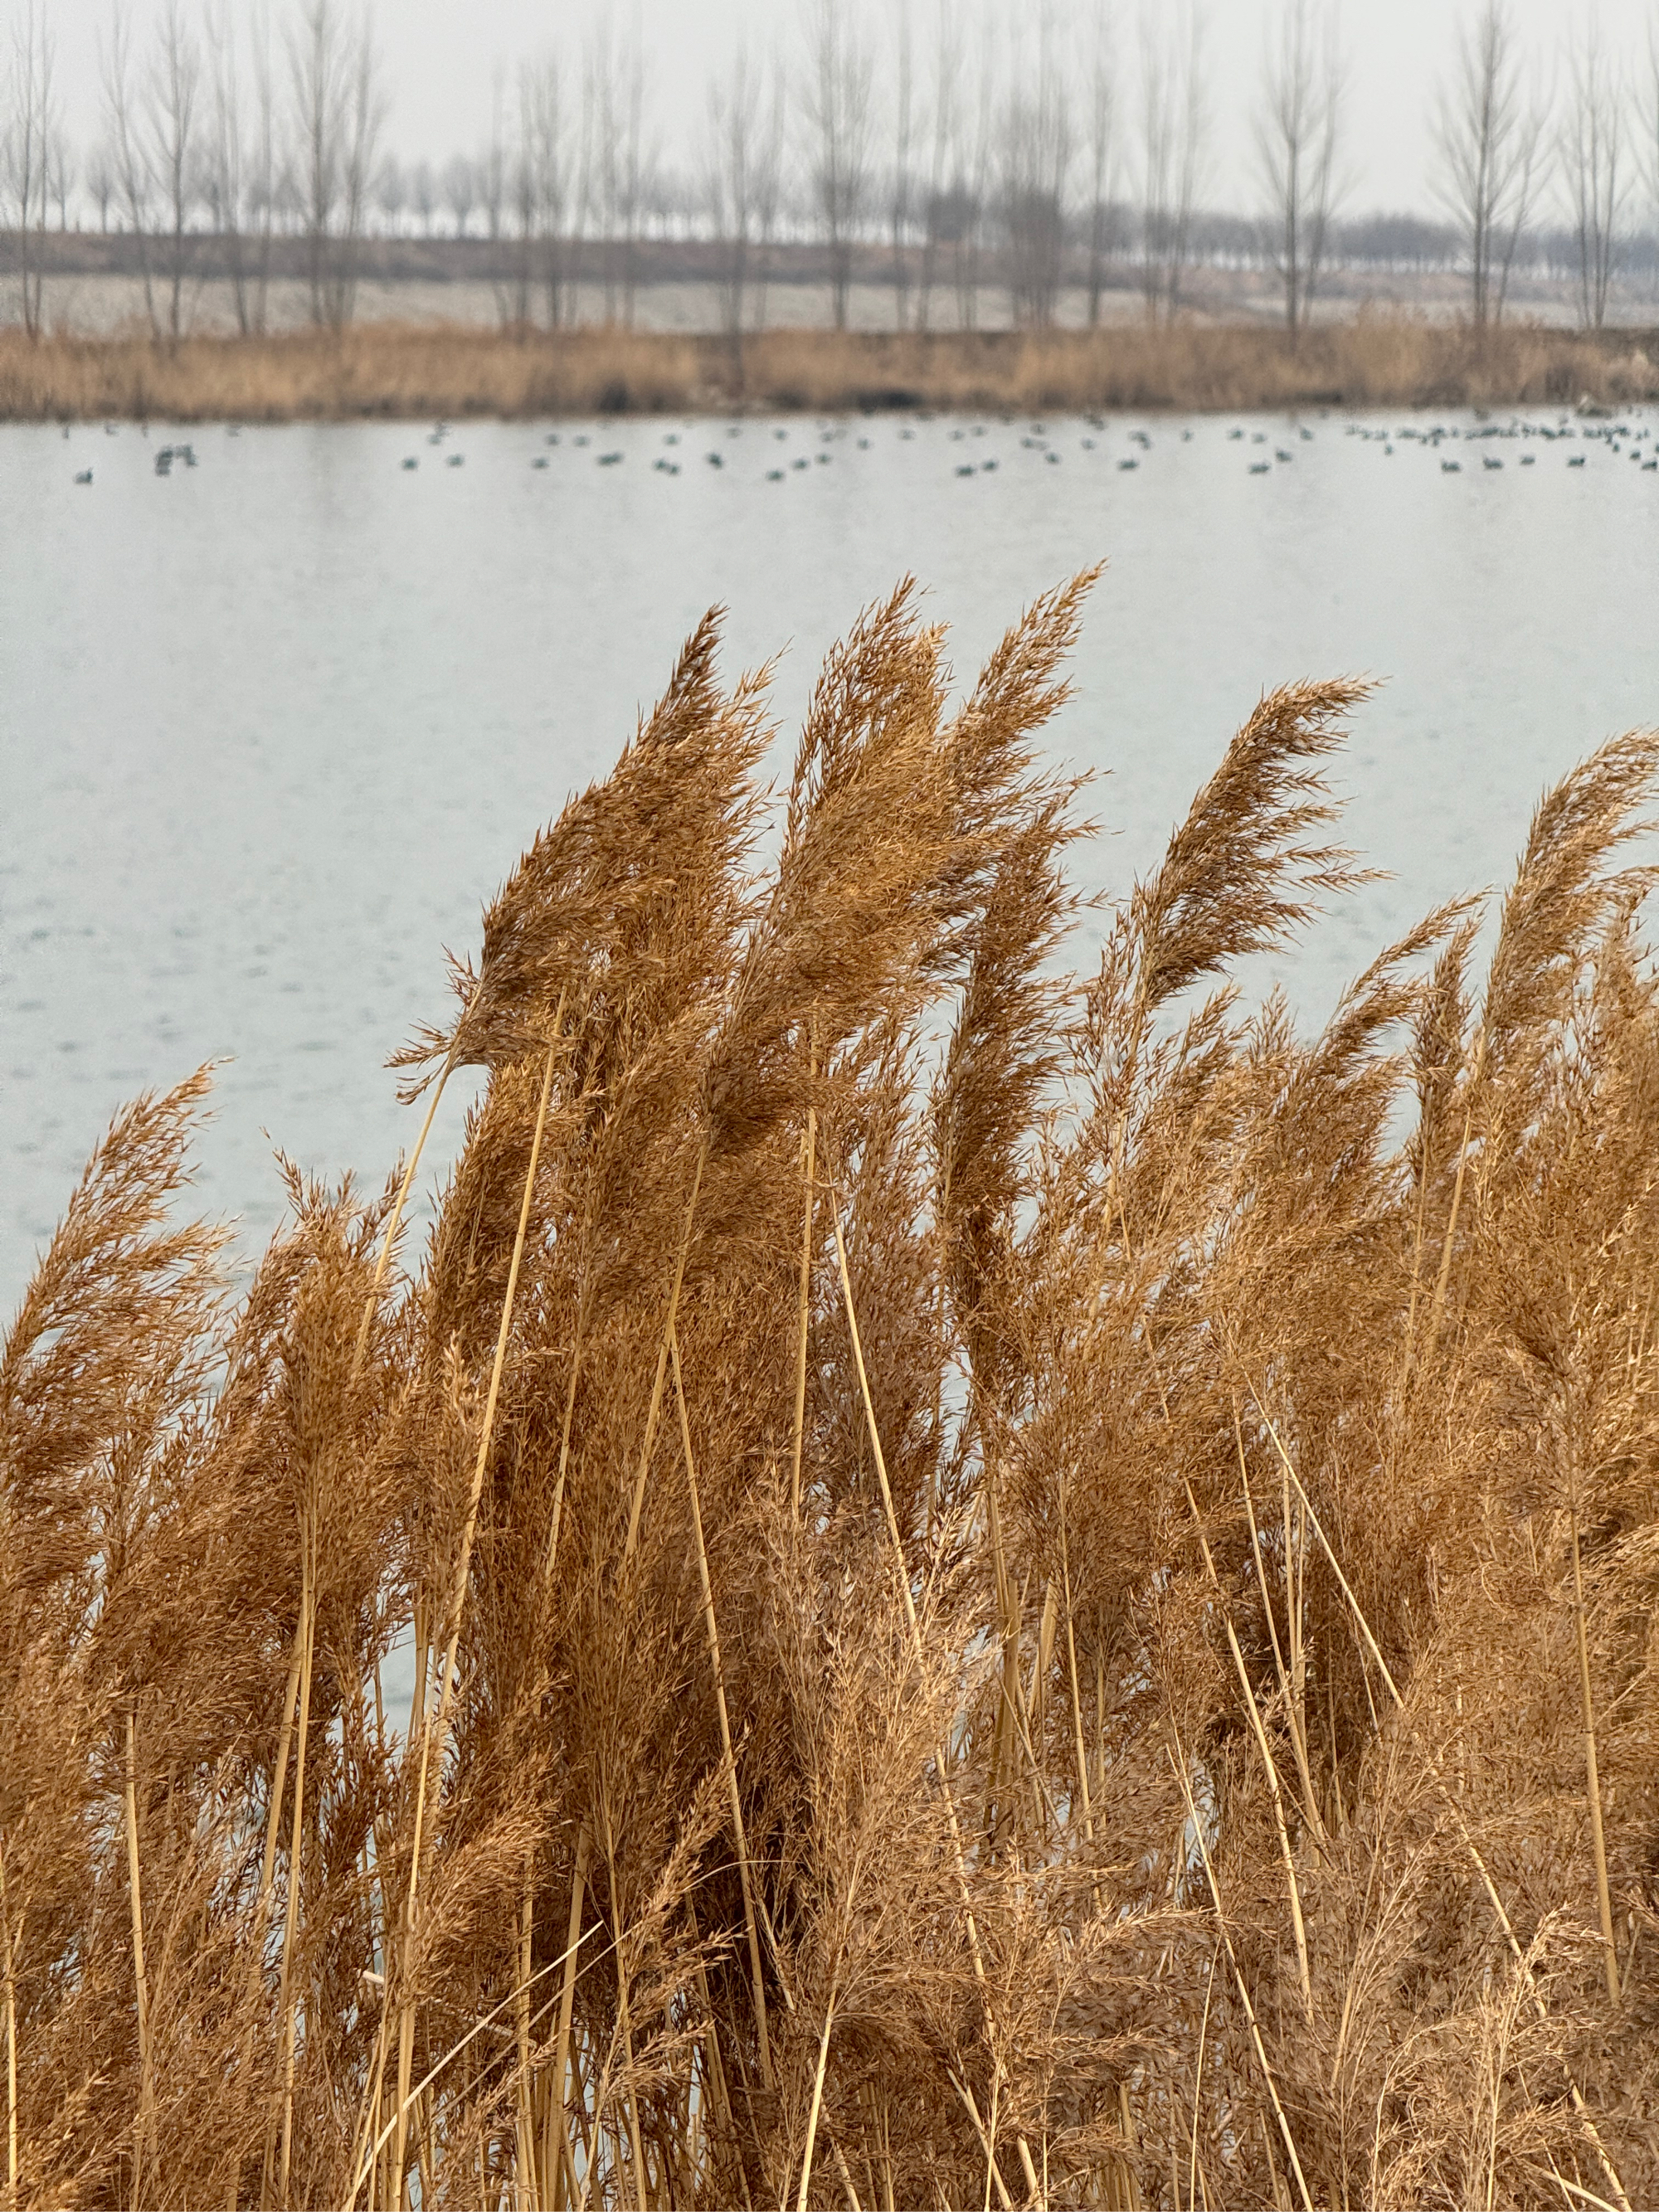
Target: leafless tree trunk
{"x":1173,"y":119}
{"x":730,"y":159}
{"x":1596,"y":177}
{"x":903,"y":184}
{"x":974,"y":192}
{"x":1102,"y":120}
{"x":123,"y":129}
{"x":541,"y":95}
{"x":61,"y":172}
{"x":1037,"y":156}
{"x":1489,"y":141}
{"x":338,"y":110}
{"x":1296,"y":136}
{"x":839,"y":82}
{"x":101,"y":183}
{"x":945,"y":154}
{"x":767,"y":184}
{"x":27,"y":156}
{"x":175,"y":73}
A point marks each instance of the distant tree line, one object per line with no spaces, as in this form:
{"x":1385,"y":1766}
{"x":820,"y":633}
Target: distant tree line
{"x":947,"y":153}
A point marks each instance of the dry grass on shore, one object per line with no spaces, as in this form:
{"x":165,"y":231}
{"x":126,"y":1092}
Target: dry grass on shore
{"x":1059,"y":1617}
{"x":444,"y":370}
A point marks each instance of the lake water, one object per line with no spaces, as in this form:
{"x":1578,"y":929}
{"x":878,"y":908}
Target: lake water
{"x":274,"y":725}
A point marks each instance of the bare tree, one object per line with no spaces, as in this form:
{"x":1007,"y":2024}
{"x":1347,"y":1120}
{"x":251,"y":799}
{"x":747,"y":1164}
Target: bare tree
{"x":124,"y":136}
{"x":1597,"y":177}
{"x":62,"y":170}
{"x":1173,"y":121}
{"x":839,"y":84}
{"x":731,"y":159}
{"x":170,"y":104}
{"x":1490,"y":141}
{"x":390,"y":192}
{"x":768,"y":182}
{"x":1101,"y":82}
{"x":548,"y":162}
{"x":1296,"y":145}
{"x":972,"y":190}
{"x":338,"y":110}
{"x":461,"y":190}
{"x":424,"y":196}
{"x":902,"y":184}
{"x":1037,"y":157}
{"x":26,"y":154}
{"x":943,"y":149}
{"x":101,"y":183}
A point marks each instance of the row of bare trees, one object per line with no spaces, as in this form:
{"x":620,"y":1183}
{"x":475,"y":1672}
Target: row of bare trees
{"x":215,"y":121}
{"x":941,"y":152}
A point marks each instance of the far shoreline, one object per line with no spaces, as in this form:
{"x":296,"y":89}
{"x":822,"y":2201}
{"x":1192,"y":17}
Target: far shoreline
{"x":415,"y":372}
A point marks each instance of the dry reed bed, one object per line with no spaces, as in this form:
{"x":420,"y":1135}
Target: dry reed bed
{"x":395,"y":370}
{"x":1023,"y":1592}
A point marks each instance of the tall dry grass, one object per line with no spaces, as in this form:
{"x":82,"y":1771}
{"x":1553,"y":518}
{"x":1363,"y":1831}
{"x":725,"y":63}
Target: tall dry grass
{"x":413,"y":371}
{"x":1021,"y":1590}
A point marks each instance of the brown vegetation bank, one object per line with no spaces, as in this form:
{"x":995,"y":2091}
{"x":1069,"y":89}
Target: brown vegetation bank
{"x":398,"y":370}
{"x":1019,"y":1592}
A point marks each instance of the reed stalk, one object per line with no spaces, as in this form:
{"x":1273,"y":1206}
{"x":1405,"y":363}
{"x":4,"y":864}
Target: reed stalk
{"x":1592,"y":1784}
{"x":745,"y":1876}
{"x":144,"y":2137}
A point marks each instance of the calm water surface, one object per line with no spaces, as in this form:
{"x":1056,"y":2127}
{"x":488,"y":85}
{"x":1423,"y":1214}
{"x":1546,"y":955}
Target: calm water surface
{"x":274,"y":725}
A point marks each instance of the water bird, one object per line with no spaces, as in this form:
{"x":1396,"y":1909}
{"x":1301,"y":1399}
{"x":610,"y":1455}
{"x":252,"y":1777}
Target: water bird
{"x":1140,"y":438}
{"x":1130,"y":464}
{"x":801,"y":463}
{"x":1259,"y":469}
{"x":864,"y":445}
{"x":85,"y":476}
{"x":552,"y":438}
{"x":966,"y":469}
{"x":1051,"y":456}
{"x":1088,"y":445}
{"x":779,"y":433}
{"x":580,"y":441}
{"x":775,"y":476}
{"x":409,"y":461}
{"x":1452,"y":468}
{"x":672,"y":438}
{"x":1279,"y":454}
{"x":609,"y":460}
{"x":164,"y":462}
{"x":540,"y":461}
{"x":1258,"y":437}
{"x":456,"y":460}
{"x":715,"y":460}
{"x":1306,"y":437}
{"x":1490,"y":461}
{"x":986,"y":467}
{"x":1528,"y":460}
{"x":1576,"y":461}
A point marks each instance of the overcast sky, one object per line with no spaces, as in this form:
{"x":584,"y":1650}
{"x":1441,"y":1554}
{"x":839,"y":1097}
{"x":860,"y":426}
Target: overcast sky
{"x":443,"y":56}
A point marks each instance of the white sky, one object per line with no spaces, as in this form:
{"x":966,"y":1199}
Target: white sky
{"x":442,"y":58}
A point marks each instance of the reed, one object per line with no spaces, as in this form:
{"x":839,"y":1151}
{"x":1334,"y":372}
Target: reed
{"x":409,"y":371}
{"x":1123,"y":1676}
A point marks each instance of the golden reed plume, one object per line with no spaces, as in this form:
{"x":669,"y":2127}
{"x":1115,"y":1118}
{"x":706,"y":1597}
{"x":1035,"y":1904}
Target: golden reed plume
{"x":1017,"y":1590}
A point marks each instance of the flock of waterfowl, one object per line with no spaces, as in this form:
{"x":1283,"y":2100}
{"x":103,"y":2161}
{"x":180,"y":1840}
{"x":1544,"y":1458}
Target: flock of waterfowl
{"x":1093,"y":439}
